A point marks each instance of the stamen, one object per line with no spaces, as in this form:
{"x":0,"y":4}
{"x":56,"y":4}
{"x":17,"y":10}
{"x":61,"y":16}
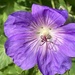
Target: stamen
{"x":44,"y":34}
{"x":44,"y":38}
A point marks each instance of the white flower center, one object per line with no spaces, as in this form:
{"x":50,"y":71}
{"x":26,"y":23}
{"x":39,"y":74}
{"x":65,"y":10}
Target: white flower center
{"x":44,"y":31}
{"x":44,"y":34}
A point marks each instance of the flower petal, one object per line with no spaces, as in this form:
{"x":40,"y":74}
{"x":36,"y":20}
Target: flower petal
{"x":36,"y":8}
{"x":64,"y":13}
{"x":69,"y":28}
{"x":52,"y":62}
{"x":18,"y":22}
{"x":51,"y":17}
{"x":22,"y":49}
{"x":68,"y":44}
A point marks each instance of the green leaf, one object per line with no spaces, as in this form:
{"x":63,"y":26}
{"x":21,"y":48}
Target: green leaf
{"x":1,"y":73}
{"x":72,"y":2}
{"x":72,"y":70}
{"x":69,"y":8}
{"x":1,"y":25}
{"x":32,"y":71}
{"x":4,"y":59}
{"x":4,"y":16}
{"x":71,"y":19}
{"x":12,"y":70}
{"x":37,"y":71}
{"x":20,"y":1}
{"x":18,"y":7}
{"x":62,"y":4}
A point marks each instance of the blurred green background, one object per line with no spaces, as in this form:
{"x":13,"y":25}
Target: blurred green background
{"x":7,"y":67}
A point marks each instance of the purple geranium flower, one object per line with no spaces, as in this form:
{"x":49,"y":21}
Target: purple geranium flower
{"x":40,"y":37}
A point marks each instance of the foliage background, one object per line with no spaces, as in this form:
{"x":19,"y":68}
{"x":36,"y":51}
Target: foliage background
{"x":7,"y":67}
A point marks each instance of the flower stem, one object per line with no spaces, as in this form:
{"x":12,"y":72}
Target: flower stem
{"x":52,"y":2}
{"x":68,"y":72}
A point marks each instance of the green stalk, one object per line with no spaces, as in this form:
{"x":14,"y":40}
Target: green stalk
{"x":52,"y":2}
{"x":68,"y":72}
